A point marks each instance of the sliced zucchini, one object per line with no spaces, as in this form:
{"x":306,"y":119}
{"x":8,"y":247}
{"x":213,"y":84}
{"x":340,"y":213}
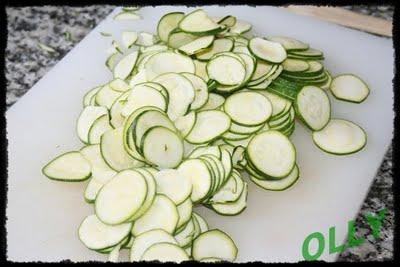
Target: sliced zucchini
{"x":145,"y":39}
{"x":185,"y":124}
{"x":201,"y":70}
{"x":178,"y":38}
{"x":129,"y":38}
{"x":185,"y":212}
{"x":119,"y":85}
{"x":202,"y":223}
{"x":209,"y":125}
{"x":121,"y":197}
{"x":197,"y":45}
{"x":165,"y":62}
{"x":218,"y":46}
{"x":106,"y":96}
{"x":214,"y":102}
{"x":198,"y":23}
{"x":148,"y":119}
{"x":239,"y":129}
{"x":97,"y":235}
{"x":255,"y":108}
{"x":279,"y":104}
{"x":266,"y":50}
{"x":181,"y":93}
{"x":98,"y":128}
{"x":200,"y":90}
{"x":145,"y":240}
{"x":278,"y":185}
{"x":117,"y":120}
{"x":138,"y":78}
{"x":174,"y":185}
{"x":113,"y":152}
{"x":87,"y":98}
{"x":349,"y":87}
{"x":226,"y":70}
{"x":233,"y":208}
{"x":295,"y":65}
{"x":185,"y":236}
{"x":125,"y":66}
{"x":151,"y":192}
{"x":143,"y":95}
{"x":162,"y":147}
{"x":196,"y":170}
{"x":165,"y":252}
{"x":313,"y":107}
{"x":206,"y":150}
{"x":86,"y":119}
{"x":309,"y":53}
{"x":272,"y":153}
{"x":68,"y":167}
{"x":240,"y":27}
{"x":167,"y":23}
{"x":290,"y":44}
{"x":162,"y":214}
{"x":340,"y":137}
{"x":214,"y":243}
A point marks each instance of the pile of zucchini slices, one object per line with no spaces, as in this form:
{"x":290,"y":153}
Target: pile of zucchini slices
{"x":189,"y":112}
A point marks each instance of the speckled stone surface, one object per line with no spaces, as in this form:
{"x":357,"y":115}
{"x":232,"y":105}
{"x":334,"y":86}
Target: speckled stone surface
{"x":26,"y":63}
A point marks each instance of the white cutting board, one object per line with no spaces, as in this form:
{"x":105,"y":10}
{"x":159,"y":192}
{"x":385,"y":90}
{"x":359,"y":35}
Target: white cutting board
{"x":43,"y":215}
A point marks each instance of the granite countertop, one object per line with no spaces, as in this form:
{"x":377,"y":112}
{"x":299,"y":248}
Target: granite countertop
{"x":61,"y":28}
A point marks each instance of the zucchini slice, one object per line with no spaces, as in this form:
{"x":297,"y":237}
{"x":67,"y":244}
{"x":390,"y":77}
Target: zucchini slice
{"x":290,"y":44}
{"x":167,"y":24}
{"x":145,"y":240}
{"x":174,"y":185}
{"x":162,"y":214}
{"x":106,"y":96}
{"x":186,"y":123}
{"x":226,"y":70}
{"x":97,"y":235}
{"x":209,"y":125}
{"x":178,"y":38}
{"x":129,"y":38}
{"x":218,"y":46}
{"x":349,"y":87}
{"x":202,"y":223}
{"x":278,"y":185}
{"x":151,"y":192}
{"x":240,"y":27}
{"x":214,"y":243}
{"x":340,"y":137}
{"x":200,"y":90}
{"x":86,"y":119}
{"x":113,"y":152}
{"x":143,"y":95}
{"x":98,"y":128}
{"x":162,"y":147}
{"x":313,"y":107}
{"x":181,"y":93}
{"x":196,"y":170}
{"x":87,"y":98}
{"x":295,"y":65}
{"x":198,"y":23}
{"x":68,"y":167}
{"x":165,"y":62}
{"x":185,"y":236}
{"x":197,"y":45}
{"x":125,"y":66}
{"x":214,"y":102}
{"x":255,"y":108}
{"x":233,"y":208}
{"x":121,"y":197}
{"x":165,"y":252}
{"x":272,"y":153}
{"x":185,"y":212}
{"x":266,"y":50}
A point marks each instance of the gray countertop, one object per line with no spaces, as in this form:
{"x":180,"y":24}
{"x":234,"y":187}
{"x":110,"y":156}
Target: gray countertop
{"x":26,"y":63}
